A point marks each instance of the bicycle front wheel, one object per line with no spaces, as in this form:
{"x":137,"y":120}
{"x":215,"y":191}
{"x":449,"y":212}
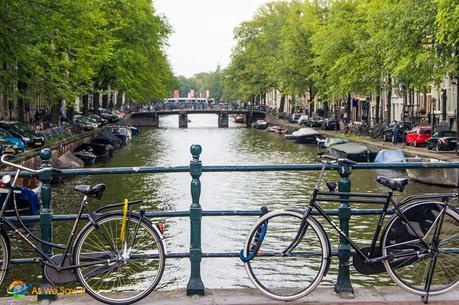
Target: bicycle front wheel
{"x":119,"y":266}
{"x":411,"y":263}
{"x":289,"y":277}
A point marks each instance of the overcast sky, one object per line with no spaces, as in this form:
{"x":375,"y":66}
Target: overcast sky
{"x":203,"y":31}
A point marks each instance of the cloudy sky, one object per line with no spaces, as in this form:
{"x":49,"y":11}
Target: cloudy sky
{"x":203,"y":31}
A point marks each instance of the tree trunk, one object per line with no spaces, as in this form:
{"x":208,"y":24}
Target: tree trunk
{"x":111,"y":103}
{"x":85,"y":102}
{"x":22,"y":87}
{"x":119,"y":100}
{"x":389,"y":99}
{"x":105,"y":101}
{"x":96,"y":104}
{"x":282,"y":104}
{"x":55,"y":112}
{"x":378,"y":102}
{"x":349,"y":105}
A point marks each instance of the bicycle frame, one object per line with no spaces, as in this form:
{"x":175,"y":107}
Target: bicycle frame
{"x":344,"y":197}
{"x":47,"y":260}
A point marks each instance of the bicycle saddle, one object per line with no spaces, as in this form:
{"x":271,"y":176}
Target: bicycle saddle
{"x":395,"y":184}
{"x":91,"y":191}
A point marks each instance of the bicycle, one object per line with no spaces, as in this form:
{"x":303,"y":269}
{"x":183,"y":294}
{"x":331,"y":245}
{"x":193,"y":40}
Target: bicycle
{"x":287,"y":252}
{"x":118,"y":256}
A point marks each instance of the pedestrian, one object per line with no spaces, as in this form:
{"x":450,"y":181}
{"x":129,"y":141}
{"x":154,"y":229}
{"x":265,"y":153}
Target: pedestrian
{"x":395,"y":136}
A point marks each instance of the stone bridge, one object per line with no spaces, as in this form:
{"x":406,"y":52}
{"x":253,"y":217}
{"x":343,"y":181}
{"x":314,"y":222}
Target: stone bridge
{"x":151,"y":118}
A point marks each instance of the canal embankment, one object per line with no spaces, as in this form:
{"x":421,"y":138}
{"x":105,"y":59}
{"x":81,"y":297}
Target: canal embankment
{"x":408,"y":150}
{"x":31,"y":158}
{"x":323,"y":296}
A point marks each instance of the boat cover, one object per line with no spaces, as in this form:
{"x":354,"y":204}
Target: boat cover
{"x":304,"y":132}
{"x":335,"y":141}
{"x":386,"y":156}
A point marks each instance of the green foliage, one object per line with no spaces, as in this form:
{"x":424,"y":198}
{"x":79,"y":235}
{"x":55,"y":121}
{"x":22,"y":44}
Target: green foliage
{"x":201,"y":82}
{"x":338,"y":47}
{"x":63,"y":48}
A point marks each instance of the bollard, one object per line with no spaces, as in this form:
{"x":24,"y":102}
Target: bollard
{"x":195,"y":285}
{"x":46,"y":224}
{"x":343,"y":284}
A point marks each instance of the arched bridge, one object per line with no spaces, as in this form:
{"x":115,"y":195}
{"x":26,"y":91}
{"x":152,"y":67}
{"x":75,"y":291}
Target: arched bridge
{"x":151,"y":118}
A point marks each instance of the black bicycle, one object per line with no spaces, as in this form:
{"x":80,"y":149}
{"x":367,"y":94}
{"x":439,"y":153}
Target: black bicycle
{"x":118,"y":256}
{"x":287,"y":252}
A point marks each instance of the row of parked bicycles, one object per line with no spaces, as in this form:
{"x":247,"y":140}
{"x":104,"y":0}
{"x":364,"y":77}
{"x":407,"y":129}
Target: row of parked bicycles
{"x":422,"y":135}
{"x":118,"y":256}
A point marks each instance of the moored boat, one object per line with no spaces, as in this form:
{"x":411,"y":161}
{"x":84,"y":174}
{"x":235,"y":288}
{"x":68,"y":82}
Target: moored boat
{"x":305,"y":135}
{"x":123,"y":133}
{"x":329,"y":142}
{"x":277,"y":129}
{"x":435,"y":176}
{"x":68,"y":160}
{"x":239,"y":119}
{"x":389,"y":156}
{"x":260,"y":124}
{"x":353,"y":151}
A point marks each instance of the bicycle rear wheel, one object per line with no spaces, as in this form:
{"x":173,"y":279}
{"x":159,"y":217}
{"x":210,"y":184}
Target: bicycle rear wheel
{"x":287,"y":277}
{"x":117,"y":270}
{"x":5,"y":254}
{"x":411,"y":266}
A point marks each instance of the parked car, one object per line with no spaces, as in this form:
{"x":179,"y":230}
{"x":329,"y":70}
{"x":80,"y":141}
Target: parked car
{"x":442,"y":140}
{"x":18,"y":130}
{"x":389,"y":131}
{"x":418,"y":136}
{"x":108,"y":114}
{"x":294,"y":118}
{"x":303,"y":119}
{"x":84,"y":123}
{"x":315,"y":121}
{"x":10,"y":144}
{"x":329,"y":124}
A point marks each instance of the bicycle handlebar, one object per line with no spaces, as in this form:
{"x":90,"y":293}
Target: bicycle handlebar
{"x":35,"y":171}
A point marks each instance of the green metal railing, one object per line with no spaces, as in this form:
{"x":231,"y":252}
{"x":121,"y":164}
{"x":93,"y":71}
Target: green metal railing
{"x":195,"y":284}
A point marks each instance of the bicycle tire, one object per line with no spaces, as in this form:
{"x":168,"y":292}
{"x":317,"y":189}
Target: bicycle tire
{"x":298,"y":273}
{"x":410,"y":272}
{"x":5,"y":255}
{"x":140,"y":278}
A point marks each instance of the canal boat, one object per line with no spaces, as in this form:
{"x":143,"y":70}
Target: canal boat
{"x":68,"y":160}
{"x":123,"y":133}
{"x":354,"y":151}
{"x":260,"y":124}
{"x":27,"y":197}
{"x":106,"y":137}
{"x":390,"y":156}
{"x":102,"y":151}
{"x":289,"y":137}
{"x":435,"y":176}
{"x":134,"y":131}
{"x":329,"y":142}
{"x":305,"y":135}
{"x":277,"y":129}
{"x":87,"y":156}
{"x":239,"y":119}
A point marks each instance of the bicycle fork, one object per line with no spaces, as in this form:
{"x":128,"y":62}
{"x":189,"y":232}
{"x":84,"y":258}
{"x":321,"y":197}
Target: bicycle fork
{"x":433,"y":260}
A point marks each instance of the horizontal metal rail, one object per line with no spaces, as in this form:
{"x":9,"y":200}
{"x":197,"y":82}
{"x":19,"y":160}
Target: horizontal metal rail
{"x":242,"y":168}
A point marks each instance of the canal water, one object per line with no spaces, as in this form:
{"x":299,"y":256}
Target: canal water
{"x":237,"y":145}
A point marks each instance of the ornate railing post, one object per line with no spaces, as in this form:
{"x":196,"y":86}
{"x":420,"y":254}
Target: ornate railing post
{"x":195,"y":284}
{"x":343,"y":284}
{"x":46,"y":222}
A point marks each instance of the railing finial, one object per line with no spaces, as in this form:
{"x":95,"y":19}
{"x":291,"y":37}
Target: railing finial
{"x":196,"y":150}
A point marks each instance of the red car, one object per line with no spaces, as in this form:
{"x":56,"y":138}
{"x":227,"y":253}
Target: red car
{"x":419,"y":135}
